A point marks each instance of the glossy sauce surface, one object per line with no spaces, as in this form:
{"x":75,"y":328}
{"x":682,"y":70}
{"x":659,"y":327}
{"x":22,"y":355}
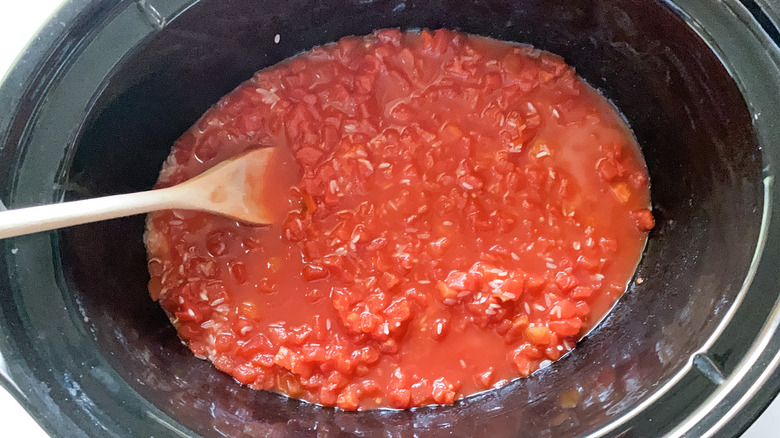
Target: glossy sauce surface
{"x":459,"y":212}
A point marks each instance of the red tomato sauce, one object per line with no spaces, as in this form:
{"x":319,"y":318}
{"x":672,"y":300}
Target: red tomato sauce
{"x":459,"y":211}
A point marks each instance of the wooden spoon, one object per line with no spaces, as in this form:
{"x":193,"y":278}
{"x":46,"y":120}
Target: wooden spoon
{"x":230,"y":188}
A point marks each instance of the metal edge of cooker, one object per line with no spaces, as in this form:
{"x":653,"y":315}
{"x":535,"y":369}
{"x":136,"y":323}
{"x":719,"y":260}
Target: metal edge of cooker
{"x":744,"y":395}
{"x":730,"y":408}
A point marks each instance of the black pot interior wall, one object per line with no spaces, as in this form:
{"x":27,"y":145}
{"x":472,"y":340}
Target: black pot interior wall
{"x":689,"y":117}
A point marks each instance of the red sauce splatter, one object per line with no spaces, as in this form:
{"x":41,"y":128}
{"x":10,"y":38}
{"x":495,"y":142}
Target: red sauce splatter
{"x":461,"y":211}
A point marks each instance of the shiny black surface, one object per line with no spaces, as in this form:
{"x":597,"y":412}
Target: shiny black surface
{"x":94,"y":355}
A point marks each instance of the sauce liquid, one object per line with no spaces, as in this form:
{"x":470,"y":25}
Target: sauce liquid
{"x":460,"y":211}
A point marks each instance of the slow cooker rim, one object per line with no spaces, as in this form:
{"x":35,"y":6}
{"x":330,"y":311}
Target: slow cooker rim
{"x":715,"y":400}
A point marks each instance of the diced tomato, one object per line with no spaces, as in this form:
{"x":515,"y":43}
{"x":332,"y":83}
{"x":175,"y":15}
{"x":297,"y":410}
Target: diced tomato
{"x":312,"y":272}
{"x":538,"y":335}
{"x":644,"y":220}
{"x":568,"y":327}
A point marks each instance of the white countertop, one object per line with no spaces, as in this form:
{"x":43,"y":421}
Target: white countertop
{"x":19,"y":20}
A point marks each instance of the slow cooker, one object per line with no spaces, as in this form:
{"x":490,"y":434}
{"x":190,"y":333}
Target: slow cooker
{"x":95,"y":102}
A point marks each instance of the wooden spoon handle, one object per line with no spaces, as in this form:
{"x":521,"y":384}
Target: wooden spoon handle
{"x":48,"y":217}
{"x":224,"y":189}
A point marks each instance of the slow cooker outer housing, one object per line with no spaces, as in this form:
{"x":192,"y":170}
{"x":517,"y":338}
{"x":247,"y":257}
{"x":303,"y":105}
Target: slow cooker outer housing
{"x":96,"y":100}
